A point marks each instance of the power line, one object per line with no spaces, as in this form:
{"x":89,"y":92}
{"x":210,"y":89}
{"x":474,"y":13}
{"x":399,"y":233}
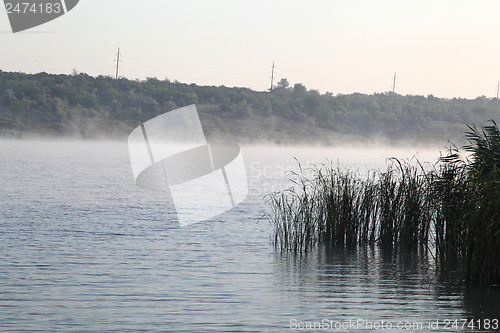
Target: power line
{"x":394,"y":83}
{"x":117,"y":63}
{"x":272,"y":78}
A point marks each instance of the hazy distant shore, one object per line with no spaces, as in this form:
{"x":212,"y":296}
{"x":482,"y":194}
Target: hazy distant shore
{"x":247,"y":131}
{"x":85,"y":107}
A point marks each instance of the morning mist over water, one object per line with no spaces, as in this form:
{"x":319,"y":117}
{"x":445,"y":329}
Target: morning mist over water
{"x":98,"y":248}
{"x":263,"y":166}
{"x":92,"y":247}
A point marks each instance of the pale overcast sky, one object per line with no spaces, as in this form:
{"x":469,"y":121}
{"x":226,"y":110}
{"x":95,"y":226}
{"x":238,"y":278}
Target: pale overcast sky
{"x":446,"y":48}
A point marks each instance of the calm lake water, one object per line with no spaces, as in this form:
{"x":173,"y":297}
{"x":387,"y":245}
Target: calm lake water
{"x":82,"y":249}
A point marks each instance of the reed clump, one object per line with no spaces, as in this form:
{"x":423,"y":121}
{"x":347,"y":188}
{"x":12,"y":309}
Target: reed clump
{"x":452,"y":209}
{"x":339,"y":207}
{"x":466,"y":192}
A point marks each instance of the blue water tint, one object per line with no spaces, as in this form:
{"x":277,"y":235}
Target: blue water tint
{"x":84,"y":250}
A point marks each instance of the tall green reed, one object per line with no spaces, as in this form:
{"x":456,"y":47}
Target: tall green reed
{"x":466,"y":190}
{"x":340,"y":207}
{"x":453,"y":208}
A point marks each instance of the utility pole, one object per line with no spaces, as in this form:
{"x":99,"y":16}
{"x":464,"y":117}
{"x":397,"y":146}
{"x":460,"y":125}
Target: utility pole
{"x":117,"y":63}
{"x":394,"y":83}
{"x":498,"y":88}
{"x":272,"y":78}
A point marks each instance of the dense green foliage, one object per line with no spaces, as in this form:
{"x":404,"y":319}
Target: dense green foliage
{"x":91,"y":106}
{"x":451,"y":210}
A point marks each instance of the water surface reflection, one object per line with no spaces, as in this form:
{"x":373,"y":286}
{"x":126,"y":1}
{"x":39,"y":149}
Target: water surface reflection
{"x":369,"y":284}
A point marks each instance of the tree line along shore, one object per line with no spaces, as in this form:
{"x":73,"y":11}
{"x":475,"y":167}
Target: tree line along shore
{"x":83,"y":106}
